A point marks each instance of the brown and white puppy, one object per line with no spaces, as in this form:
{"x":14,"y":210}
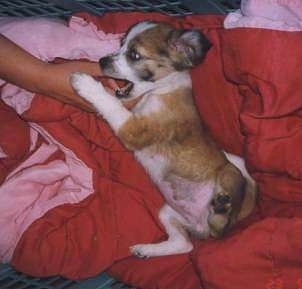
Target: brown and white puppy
{"x":205,"y":192}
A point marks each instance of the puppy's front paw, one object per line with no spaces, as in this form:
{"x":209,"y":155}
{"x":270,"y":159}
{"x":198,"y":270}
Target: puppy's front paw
{"x":141,"y":250}
{"x":86,"y":86}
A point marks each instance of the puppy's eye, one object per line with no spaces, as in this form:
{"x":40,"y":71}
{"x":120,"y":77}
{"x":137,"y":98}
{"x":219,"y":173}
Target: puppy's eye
{"x":134,"y":55}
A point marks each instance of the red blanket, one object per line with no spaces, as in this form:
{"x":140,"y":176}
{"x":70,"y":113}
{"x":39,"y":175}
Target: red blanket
{"x":248,"y":92}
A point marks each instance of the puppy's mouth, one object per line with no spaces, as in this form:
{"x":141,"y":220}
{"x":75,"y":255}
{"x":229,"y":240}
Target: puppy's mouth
{"x":124,"y":92}
{"x":108,"y":70}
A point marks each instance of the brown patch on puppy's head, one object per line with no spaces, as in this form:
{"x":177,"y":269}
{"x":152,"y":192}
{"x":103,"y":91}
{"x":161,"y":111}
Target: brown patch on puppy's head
{"x":151,"y":51}
{"x":163,"y":49}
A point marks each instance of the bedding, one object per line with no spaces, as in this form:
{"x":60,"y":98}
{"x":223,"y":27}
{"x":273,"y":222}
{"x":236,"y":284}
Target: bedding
{"x":41,"y":181}
{"x":285,"y":15}
{"x":248,"y":92}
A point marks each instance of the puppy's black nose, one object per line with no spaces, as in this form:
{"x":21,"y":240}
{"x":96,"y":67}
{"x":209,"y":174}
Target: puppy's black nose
{"x":105,"y":61}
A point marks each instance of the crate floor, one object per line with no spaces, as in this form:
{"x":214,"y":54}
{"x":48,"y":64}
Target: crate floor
{"x":10,"y":279}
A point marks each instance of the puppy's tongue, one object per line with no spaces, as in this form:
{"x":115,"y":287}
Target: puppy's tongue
{"x":114,"y":84}
{"x":122,"y":88}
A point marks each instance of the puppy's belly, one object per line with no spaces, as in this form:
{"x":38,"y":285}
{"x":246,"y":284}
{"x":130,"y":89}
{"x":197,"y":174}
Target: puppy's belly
{"x":190,"y":199}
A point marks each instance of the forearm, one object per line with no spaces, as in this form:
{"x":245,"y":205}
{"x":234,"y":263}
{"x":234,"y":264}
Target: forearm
{"x":55,"y":81}
{"x":24,"y":70}
{"x":17,"y":66}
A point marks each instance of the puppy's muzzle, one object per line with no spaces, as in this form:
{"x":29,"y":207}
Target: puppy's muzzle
{"x":105,"y":62}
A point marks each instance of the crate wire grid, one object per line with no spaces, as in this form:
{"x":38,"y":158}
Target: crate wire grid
{"x":63,"y":8}
{"x":58,"y":8}
{"x":27,"y":8}
{"x":10,"y":279}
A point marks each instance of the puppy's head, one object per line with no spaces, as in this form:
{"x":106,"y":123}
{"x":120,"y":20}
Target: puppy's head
{"x":151,"y":51}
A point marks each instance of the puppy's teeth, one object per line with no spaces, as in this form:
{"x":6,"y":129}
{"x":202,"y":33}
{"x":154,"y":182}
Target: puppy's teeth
{"x":128,"y":88}
{"x":119,"y":93}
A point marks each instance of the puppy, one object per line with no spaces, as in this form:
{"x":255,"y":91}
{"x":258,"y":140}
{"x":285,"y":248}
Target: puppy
{"x":205,"y":192}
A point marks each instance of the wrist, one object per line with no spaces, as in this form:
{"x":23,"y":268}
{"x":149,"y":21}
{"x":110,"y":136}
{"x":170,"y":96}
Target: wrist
{"x":55,"y":81}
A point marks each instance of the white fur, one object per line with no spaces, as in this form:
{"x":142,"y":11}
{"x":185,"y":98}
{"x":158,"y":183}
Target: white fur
{"x":150,"y":91}
{"x":116,"y":115}
{"x":149,"y":104}
{"x":121,"y":64}
{"x":178,"y":239}
{"x":240,"y":164}
{"x":108,"y":106}
{"x":122,"y":67}
{"x":167,"y":84}
{"x":114,"y":112}
{"x":154,"y":164}
{"x":136,"y":30}
{"x":251,"y":184}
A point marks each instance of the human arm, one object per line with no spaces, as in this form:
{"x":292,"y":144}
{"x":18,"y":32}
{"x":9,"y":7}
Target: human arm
{"x":19,"y":67}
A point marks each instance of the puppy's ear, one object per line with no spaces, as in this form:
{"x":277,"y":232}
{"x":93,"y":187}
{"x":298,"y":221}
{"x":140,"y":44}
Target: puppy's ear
{"x":190,"y":46}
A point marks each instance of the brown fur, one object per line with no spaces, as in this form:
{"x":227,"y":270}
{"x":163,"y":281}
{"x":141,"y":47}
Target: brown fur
{"x":204,"y":191}
{"x":160,"y":58}
{"x":229,"y":194}
{"x":176,"y":132}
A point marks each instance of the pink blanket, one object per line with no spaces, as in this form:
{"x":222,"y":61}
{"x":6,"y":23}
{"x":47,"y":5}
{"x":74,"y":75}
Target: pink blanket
{"x":51,"y":174}
{"x":270,"y":14}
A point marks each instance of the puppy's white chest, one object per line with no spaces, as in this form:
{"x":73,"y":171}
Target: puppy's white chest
{"x":148,"y":105}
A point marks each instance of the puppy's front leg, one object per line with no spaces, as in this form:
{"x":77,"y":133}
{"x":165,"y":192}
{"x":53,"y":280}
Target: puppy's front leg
{"x":109,"y":107}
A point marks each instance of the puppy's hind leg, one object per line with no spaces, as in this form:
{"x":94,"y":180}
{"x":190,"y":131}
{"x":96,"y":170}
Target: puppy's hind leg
{"x":178,"y":240}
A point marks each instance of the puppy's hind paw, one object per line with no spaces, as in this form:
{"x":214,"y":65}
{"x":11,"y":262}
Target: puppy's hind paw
{"x":222,"y":203}
{"x":140,"y":251}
